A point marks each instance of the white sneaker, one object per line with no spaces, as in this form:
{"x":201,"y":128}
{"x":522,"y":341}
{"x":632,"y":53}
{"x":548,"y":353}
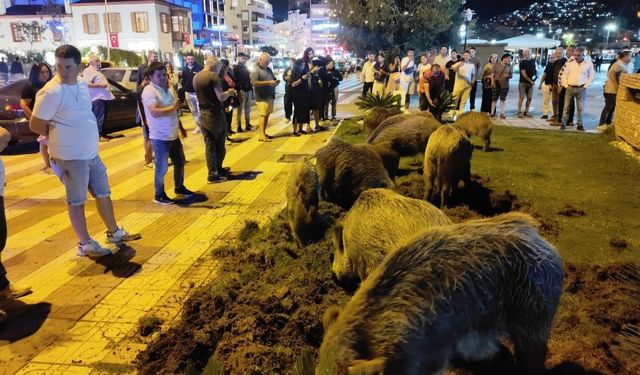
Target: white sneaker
{"x":92,"y":249}
{"x":122,"y":235}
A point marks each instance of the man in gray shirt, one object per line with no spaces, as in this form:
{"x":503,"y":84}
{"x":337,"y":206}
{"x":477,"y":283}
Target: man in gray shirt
{"x":264,"y":91}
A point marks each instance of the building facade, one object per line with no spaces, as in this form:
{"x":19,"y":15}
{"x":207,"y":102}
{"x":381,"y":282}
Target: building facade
{"x":139,"y":25}
{"x":251,"y":21}
{"x":293,"y":35}
{"x":324,"y":30}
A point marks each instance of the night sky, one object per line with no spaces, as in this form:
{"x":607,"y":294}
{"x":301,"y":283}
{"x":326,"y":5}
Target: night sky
{"x":489,"y":8}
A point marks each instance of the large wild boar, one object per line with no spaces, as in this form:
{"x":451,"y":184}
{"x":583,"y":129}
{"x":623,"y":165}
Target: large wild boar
{"x":390,"y":157}
{"x":408,"y":133}
{"x":478,"y":124}
{"x":303,"y":199}
{"x":447,"y":161}
{"x":376,"y":116}
{"x":346,"y":170}
{"x":380,"y":220}
{"x":451,"y":293}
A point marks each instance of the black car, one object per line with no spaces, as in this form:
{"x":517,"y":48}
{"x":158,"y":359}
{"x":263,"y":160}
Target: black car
{"x":120,"y":112}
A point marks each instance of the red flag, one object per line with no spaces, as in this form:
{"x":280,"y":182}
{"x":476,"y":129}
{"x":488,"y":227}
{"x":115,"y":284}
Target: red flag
{"x":113,"y":39}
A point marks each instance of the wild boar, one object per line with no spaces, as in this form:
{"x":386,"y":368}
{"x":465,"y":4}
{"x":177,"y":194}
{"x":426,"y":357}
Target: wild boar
{"x":408,"y":133}
{"x":478,"y":124}
{"x":303,"y":199}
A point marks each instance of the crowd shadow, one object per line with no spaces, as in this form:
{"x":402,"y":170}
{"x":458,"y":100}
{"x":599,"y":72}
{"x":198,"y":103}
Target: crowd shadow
{"x":23,"y":320}
{"x":119,"y":264}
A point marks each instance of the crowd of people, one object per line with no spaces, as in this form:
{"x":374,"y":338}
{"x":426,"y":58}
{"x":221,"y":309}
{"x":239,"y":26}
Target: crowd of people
{"x":564,"y":82}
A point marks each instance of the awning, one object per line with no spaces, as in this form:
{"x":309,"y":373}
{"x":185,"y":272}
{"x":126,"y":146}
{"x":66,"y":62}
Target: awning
{"x":529,"y":41}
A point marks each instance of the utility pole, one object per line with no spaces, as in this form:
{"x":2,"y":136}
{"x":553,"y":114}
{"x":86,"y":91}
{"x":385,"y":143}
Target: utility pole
{"x":107,"y":29}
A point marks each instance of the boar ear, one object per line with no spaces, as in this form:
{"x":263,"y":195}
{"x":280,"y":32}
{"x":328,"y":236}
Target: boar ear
{"x":367,"y":367}
{"x":330,"y":316}
{"x":337,"y":237}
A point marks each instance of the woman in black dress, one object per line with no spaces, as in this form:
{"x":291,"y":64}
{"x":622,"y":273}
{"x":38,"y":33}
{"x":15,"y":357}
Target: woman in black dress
{"x":40,"y":74}
{"x":227,"y":82}
{"x":316,"y":92}
{"x":300,"y":93}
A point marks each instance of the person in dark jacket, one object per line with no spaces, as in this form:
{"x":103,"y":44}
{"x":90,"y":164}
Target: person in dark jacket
{"x":230,"y":103}
{"x":4,"y":70}
{"x":40,"y":74}
{"x":301,"y":97}
{"x":333,"y":80}
{"x":245,"y":90}
{"x":288,"y":97}
{"x":16,"y":69}
{"x":313,"y":67}
{"x":186,"y":81}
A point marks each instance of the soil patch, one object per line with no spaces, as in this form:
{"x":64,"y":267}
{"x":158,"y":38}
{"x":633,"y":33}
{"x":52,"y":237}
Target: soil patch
{"x":570,"y":211}
{"x":618,"y":244}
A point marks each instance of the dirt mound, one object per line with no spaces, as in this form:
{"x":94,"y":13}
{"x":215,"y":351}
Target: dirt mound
{"x":260,"y":313}
{"x":597,"y":322}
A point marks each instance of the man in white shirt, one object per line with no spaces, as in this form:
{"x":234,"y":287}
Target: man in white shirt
{"x":407,"y":68}
{"x":99,"y":92}
{"x":442,"y":59}
{"x":368,"y":74}
{"x":63,"y":113}
{"x":161,"y":112}
{"x":465,"y":76}
{"x":577,"y":76}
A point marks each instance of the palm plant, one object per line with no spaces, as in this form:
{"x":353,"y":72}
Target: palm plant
{"x":369,"y":101}
{"x":443,"y":104}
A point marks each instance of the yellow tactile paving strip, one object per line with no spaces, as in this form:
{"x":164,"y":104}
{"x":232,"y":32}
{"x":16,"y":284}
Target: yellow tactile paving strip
{"x":95,"y":307}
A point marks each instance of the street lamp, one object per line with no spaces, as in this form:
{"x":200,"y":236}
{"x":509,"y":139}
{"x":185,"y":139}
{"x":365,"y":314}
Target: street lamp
{"x":609,"y":27}
{"x":467,"y":16}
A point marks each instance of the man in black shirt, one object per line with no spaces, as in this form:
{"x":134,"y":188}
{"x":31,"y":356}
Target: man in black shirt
{"x":188,"y":72}
{"x":243,"y":84}
{"x":528,"y":76}
{"x":546,"y":85}
{"x":208,"y":90}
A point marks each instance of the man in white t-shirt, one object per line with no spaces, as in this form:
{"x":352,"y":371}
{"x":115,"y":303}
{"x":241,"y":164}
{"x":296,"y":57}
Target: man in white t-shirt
{"x":161,"y":112}
{"x":407,"y":68}
{"x":7,"y":289}
{"x":63,"y":113}
{"x":99,"y":92}
{"x":465,"y":76}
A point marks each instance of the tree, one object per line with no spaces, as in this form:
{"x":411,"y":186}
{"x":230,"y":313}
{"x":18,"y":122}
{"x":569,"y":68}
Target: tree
{"x":271,"y":50}
{"x":382,"y":24}
{"x":32,"y":32}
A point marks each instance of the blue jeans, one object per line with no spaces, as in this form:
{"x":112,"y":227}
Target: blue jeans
{"x":244,"y":99}
{"x":214,"y":132}
{"x":164,"y":150}
{"x":79,"y":175}
{"x":98,"y":107}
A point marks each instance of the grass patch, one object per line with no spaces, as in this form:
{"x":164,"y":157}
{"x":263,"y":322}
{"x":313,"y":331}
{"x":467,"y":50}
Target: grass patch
{"x":351,"y":130}
{"x":250,"y":229}
{"x":112,"y":368}
{"x":589,"y":187}
{"x":149,"y":324}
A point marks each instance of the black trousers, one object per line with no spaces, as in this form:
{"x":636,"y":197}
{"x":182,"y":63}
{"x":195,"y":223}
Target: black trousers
{"x":572,"y":106}
{"x":288,"y":105}
{"x":472,"y":96}
{"x":4,"y":282}
{"x":606,"y":116}
{"x":485,"y":106}
{"x":367,"y":87}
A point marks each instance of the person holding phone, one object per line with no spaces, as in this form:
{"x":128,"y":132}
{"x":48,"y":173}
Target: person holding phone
{"x":264,"y":87}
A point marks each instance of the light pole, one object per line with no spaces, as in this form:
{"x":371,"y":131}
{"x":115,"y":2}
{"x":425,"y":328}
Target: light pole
{"x":467,"y":15}
{"x":609,"y":27}
{"x":107,"y":29}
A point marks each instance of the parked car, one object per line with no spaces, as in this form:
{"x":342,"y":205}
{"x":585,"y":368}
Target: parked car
{"x":120,"y":112}
{"x":126,"y":77}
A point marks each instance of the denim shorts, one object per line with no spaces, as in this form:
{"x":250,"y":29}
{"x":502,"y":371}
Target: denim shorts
{"x":78,"y":176}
